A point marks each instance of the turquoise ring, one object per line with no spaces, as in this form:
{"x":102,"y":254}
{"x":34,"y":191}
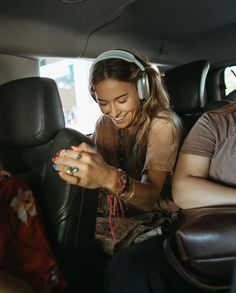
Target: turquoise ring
{"x":71,"y":170}
{"x":78,"y":156}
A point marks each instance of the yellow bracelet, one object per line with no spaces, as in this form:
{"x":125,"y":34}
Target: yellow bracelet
{"x":129,"y":194}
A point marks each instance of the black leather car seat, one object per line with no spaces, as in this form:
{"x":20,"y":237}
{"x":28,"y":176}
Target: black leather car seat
{"x":185,"y":85}
{"x":32,"y":131}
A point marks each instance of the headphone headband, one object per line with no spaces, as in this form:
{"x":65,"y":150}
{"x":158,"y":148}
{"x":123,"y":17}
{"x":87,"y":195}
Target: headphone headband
{"x":119,"y":54}
{"x":142,"y":82}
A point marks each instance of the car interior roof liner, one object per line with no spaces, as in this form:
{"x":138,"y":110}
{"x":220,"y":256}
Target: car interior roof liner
{"x":72,"y":1}
{"x":118,"y":13}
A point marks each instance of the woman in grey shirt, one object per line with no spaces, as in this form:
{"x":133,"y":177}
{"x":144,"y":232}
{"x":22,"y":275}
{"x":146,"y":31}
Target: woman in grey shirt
{"x":206,"y":168}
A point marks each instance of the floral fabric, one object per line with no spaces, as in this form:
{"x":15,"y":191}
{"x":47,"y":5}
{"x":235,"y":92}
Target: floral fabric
{"x":24,"y":249}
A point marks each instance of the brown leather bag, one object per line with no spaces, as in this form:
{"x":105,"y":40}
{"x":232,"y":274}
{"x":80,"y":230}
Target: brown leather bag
{"x":202,"y":247}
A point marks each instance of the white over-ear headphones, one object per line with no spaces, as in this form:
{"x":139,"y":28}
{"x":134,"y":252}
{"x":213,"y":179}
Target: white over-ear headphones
{"x":142,"y":83}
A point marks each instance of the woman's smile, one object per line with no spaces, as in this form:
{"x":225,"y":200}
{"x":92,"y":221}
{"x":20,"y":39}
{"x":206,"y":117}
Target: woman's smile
{"x":119,"y":119}
{"x":118,"y":100}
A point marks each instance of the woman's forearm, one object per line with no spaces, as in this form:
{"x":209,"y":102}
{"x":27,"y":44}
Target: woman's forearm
{"x":145,"y":196}
{"x":191,"y":192}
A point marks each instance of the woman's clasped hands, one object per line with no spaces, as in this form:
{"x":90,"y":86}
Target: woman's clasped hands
{"x":82,"y":165}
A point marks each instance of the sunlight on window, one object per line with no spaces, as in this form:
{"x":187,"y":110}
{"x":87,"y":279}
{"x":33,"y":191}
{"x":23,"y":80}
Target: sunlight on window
{"x":230,"y":79}
{"x":71,"y":76}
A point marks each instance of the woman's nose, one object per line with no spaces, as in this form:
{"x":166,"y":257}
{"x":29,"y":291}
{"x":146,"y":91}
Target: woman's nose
{"x":113,"y":111}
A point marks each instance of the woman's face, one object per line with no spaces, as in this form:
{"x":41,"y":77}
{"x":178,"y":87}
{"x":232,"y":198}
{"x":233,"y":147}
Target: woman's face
{"x":118,"y":100}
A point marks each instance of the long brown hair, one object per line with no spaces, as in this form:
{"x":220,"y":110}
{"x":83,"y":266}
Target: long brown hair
{"x":157,"y":103}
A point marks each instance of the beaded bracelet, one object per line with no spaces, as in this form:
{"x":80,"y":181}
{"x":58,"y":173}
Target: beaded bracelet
{"x":126,"y":187}
{"x":125,"y":192}
{"x":123,"y":182}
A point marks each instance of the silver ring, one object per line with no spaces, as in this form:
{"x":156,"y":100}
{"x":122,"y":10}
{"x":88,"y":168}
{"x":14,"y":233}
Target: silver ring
{"x":71,"y":170}
{"x":78,"y":156}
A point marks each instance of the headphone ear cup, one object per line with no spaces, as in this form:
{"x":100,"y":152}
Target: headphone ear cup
{"x":143,"y":87}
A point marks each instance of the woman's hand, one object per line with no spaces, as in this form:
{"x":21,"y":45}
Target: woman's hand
{"x":84,"y":166}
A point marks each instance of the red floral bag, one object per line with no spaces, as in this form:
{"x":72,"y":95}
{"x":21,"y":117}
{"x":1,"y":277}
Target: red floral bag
{"x":24,"y":249}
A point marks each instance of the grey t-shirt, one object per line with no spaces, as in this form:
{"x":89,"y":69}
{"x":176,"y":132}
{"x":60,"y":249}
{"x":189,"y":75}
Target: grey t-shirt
{"x":214,"y":137}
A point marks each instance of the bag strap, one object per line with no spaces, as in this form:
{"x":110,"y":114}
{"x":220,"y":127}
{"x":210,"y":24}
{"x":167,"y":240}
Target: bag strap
{"x":176,"y":264}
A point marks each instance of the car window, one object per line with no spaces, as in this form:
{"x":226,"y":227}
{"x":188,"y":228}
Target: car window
{"x":230,"y":79}
{"x":71,"y":76}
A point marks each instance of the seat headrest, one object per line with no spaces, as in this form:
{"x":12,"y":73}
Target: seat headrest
{"x":30,"y":112}
{"x":185,"y":85}
{"x":231,"y":96}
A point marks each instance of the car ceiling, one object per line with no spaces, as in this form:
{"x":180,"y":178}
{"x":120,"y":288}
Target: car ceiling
{"x":168,"y":32}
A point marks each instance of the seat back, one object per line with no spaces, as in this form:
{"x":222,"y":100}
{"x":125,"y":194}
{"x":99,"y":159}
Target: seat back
{"x":231,"y":96}
{"x":185,"y":85}
{"x":32,"y":131}
{"x":213,"y":105}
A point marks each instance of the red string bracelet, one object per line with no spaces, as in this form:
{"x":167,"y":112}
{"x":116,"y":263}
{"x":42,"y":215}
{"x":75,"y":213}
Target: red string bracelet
{"x":115,"y":206}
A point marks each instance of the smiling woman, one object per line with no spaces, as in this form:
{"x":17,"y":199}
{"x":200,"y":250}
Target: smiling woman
{"x":120,"y":101}
{"x":137,"y":140}
{"x":137,"y":135}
